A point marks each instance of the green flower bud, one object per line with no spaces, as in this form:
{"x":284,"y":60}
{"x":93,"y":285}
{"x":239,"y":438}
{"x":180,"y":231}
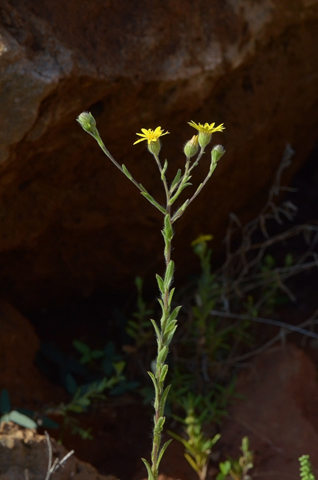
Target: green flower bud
{"x":191,"y":147}
{"x":217,"y":152}
{"x":204,"y":139}
{"x":87,"y":122}
{"x":154,"y":147}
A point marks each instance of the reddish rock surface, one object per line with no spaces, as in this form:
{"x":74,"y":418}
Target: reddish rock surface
{"x":69,"y":222}
{"x":18,"y":374}
{"x":279,"y":413}
{"x":24,"y":454}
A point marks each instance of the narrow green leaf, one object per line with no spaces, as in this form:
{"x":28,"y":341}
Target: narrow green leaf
{"x":180,"y":211}
{"x":126,"y":172}
{"x":169,"y":327}
{"x":153,"y":202}
{"x":22,"y":420}
{"x":81,"y":346}
{"x":159,"y":425}
{"x":192,"y":463}
{"x":162,"y":307}
{"x":162,"y":451}
{"x":170,"y":296}
{"x":164,"y":399}
{"x":170,"y":335}
{"x":174,"y":314}
{"x":175,"y":181}
{"x":168,"y":227}
{"x":169,"y":275}
{"x":163,"y":374}
{"x":155,"y":326}
{"x":160,"y":284}
{"x":148,"y":467}
{"x":164,"y":170}
{"x":185,"y":185}
{"x":154,"y":381}
{"x":162,"y":355}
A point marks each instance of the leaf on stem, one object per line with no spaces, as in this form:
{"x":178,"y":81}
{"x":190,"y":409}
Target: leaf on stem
{"x":164,"y":170}
{"x":173,"y":314}
{"x":160,"y":284}
{"x":192,"y":463}
{"x":155,"y":326}
{"x":169,"y":275}
{"x":180,"y":211}
{"x":154,"y":381}
{"x":170,"y":296}
{"x":162,"y":355}
{"x":170,"y":335}
{"x":163,"y":374}
{"x":126,"y":172}
{"x":162,"y":451}
{"x":175,"y":181}
{"x":148,"y":467}
{"x":164,"y":398}
{"x":153,"y":202}
{"x":168,"y":231}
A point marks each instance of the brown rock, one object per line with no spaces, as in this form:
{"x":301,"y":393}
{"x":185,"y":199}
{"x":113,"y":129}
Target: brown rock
{"x":69,"y":222}
{"x":279,"y":413}
{"x":18,"y":374}
{"x":24,"y":451}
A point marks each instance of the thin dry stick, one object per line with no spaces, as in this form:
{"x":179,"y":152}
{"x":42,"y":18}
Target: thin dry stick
{"x":54,"y":466}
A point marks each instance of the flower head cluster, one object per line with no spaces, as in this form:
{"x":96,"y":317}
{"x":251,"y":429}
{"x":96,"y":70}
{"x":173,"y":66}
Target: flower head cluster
{"x":207,"y":127}
{"x":150,"y":135}
{"x":205,"y":131}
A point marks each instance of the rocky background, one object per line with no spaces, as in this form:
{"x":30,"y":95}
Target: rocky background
{"x":72,"y":226}
{"x":70,"y":222}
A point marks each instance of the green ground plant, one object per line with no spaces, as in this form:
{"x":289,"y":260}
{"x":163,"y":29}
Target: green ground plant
{"x":197,"y":444}
{"x":11,"y":415}
{"x":306,"y":472}
{"x":238,"y":469}
{"x":165,"y":330}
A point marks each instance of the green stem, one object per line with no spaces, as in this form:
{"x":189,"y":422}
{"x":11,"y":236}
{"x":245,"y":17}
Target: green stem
{"x":111,"y":158}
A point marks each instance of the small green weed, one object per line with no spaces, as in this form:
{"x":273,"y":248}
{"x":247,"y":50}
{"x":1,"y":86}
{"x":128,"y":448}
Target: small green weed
{"x":139,"y":328}
{"x":9,"y":415}
{"x":197,"y":445}
{"x":238,"y":469}
{"x":306,"y":472}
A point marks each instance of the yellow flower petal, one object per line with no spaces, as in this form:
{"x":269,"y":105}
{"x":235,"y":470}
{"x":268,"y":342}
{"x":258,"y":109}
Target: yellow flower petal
{"x":207,"y":127}
{"x":150,"y":135}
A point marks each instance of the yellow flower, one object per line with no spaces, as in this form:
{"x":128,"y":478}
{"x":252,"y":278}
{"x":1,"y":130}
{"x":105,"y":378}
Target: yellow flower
{"x":207,"y":127}
{"x":150,"y":135}
{"x":201,"y":239}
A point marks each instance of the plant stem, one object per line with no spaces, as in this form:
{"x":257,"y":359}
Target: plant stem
{"x":162,"y":350}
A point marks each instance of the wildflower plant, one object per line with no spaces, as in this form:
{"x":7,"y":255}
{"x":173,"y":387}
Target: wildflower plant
{"x":167,"y":326}
{"x":197,"y":445}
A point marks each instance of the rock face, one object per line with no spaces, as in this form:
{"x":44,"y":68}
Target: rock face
{"x":24,"y":451}
{"x":278,"y":413}
{"x":18,"y":373}
{"x":69,"y":221}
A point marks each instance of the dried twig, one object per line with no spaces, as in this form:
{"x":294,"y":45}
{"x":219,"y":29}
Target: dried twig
{"x":53,"y":466}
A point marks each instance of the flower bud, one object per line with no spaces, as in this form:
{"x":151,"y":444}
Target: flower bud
{"x":87,"y":122}
{"x":217,"y":152}
{"x":191,"y":147}
{"x":154,"y":147}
